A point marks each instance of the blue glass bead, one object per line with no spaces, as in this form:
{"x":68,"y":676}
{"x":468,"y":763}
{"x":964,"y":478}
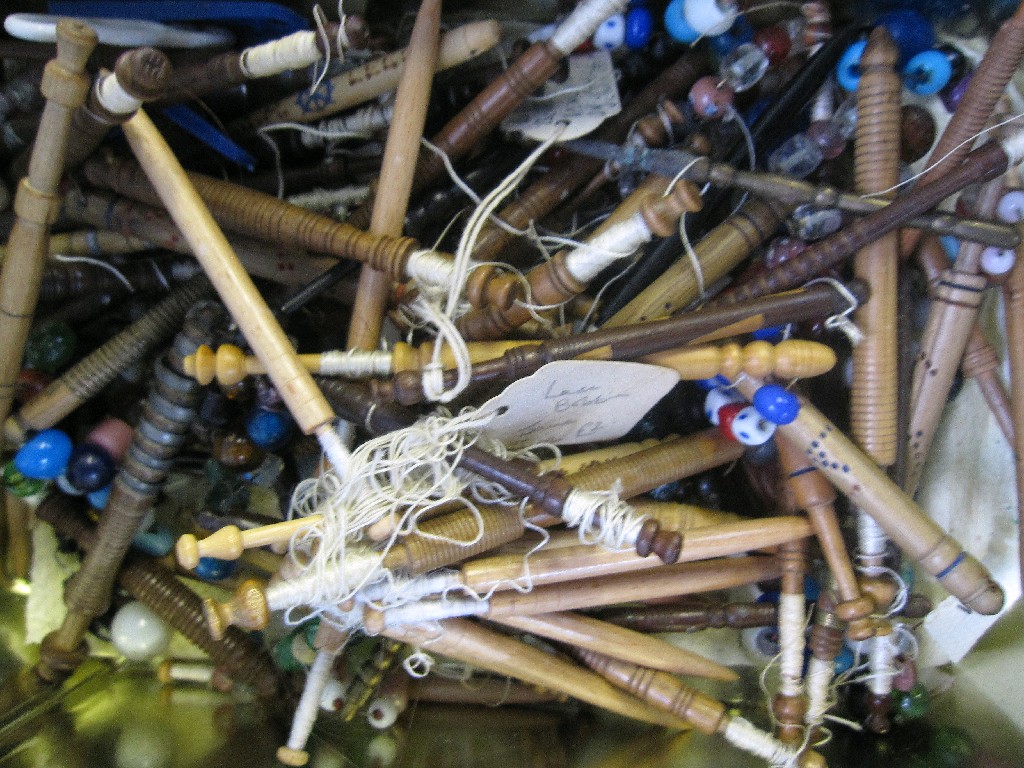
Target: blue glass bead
{"x":772,"y":334}
{"x":741,"y":32}
{"x":777,"y":405}
{"x":90,"y":467}
{"x":639,"y":28}
{"x":270,"y":430}
{"x":811,"y":588}
{"x":769,"y":596}
{"x":951,"y":245}
{"x":20,"y":485}
{"x":927,"y":73}
{"x":911,"y":32}
{"x":675,"y":23}
{"x":844,"y":661}
{"x":155,"y":542}
{"x":98,"y":499}
{"x":45,"y":456}
{"x":215,"y":569}
{"x":848,"y":68}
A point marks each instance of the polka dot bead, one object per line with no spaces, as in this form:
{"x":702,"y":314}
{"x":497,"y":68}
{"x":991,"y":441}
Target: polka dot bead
{"x":747,"y":426}
{"x":611,"y":34}
{"x":138,"y":633}
{"x":716,"y":399}
{"x":776,"y":404}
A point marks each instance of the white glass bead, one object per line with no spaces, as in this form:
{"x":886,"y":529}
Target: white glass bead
{"x":709,"y":17}
{"x":611,"y":34}
{"x":138,"y":633}
{"x":333,"y":697}
{"x":751,"y":428}
{"x":382,"y":713}
{"x":1011,"y":206}
{"x":714,"y":401}
{"x":997,"y":261}
{"x":143,"y":745}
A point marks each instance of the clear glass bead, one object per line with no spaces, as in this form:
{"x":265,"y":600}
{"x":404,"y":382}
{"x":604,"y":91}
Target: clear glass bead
{"x":797,"y":156}
{"x":743,"y":67}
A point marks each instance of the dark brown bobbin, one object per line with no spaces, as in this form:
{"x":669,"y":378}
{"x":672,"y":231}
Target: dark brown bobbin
{"x":690,"y":617}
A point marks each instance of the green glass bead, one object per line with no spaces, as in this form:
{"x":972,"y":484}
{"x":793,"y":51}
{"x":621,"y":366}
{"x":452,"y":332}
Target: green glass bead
{"x":912,"y":705}
{"x":292,"y":653}
{"x":50,"y":348}
{"x":20,"y":485}
{"x":950,"y":748}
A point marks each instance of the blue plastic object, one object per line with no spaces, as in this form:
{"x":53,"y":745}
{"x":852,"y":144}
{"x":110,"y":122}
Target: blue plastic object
{"x":911,"y":32}
{"x":156,"y":542}
{"x":927,"y":73}
{"x":98,"y":499}
{"x":45,"y":456}
{"x":215,"y":569}
{"x":190,"y":121}
{"x":848,"y":68}
{"x":676,"y":24}
{"x":844,"y":661}
{"x":639,"y":27}
{"x":252,"y":22}
{"x":776,"y":404}
{"x":270,"y":430}
{"x":772,"y":334}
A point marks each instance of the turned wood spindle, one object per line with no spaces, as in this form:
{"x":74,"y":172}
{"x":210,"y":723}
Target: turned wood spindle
{"x":788,"y":705}
{"x":36,"y":203}
{"x":1013,"y":293}
{"x":693,"y":616}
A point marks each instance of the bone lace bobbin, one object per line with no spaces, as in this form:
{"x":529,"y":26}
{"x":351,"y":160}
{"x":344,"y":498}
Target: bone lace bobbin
{"x":305,"y":402}
{"x":36,"y":202}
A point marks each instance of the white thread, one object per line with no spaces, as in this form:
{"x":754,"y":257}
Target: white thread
{"x":337,"y":454}
{"x":114,"y":98}
{"x":97,"y":263}
{"x":320,"y":583}
{"x":745,"y":735}
{"x":842,"y":322}
{"x":318,"y":17}
{"x":430,"y":269}
{"x":617,"y":242}
{"x":293,"y":51}
{"x":322,"y":200}
{"x":452,"y":174}
{"x":383,"y":592}
{"x":817,"y":684}
{"x":342,"y":39}
{"x":871,"y":540}
{"x":583,"y":22}
{"x":602,"y":518}
{"x":359,"y":124}
{"x":355,"y":364}
{"x":882,"y":663}
{"x":792,"y":621}
{"x":418,"y":663}
{"x":309,"y":703}
{"x":434,"y":610}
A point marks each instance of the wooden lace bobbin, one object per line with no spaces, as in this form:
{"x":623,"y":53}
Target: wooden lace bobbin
{"x":159,"y":436}
{"x":876,"y":162}
{"x":704,"y":713}
{"x":92,"y":373}
{"x":305,"y":402}
{"x":718,"y":252}
{"x":816,"y":496}
{"x":279,"y":265}
{"x":262,"y":216}
{"x":788,"y":705}
{"x":984,"y":164}
{"x":92,"y":242}
{"x":488,"y":691}
{"x":396,"y":174}
{"x":953,"y":313}
{"x":569,"y":272}
{"x":981,"y":361}
{"x":140,"y":75}
{"x":298,"y":50}
{"x":692,"y":616}
{"x":18,"y":554}
{"x":789,"y":359}
{"x":867,"y":486}
{"x":368,"y":81}
{"x":229,"y":365}
{"x":148,"y":582}
{"x":825,"y":642}
{"x":636,"y":341}
{"x":36,"y":203}
{"x":485,"y":648}
{"x":988,"y":83}
{"x":540,"y":198}
{"x":619,"y":643}
{"x":328,"y":642}
{"x":1013,"y":297}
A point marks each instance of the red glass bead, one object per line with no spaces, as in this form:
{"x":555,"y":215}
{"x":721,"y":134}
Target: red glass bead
{"x":775,"y":43}
{"x":726,"y":415}
{"x":709,"y":99}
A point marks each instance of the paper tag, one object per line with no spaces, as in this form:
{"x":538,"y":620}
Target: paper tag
{"x":588,"y":97}
{"x":954,"y":630}
{"x":576,"y":401}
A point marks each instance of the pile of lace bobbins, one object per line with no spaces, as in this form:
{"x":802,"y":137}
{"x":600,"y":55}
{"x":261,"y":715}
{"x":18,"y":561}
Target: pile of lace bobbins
{"x":585,"y":389}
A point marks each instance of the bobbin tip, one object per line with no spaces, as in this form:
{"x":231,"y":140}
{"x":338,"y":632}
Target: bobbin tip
{"x":187,"y":551}
{"x":163,"y":672}
{"x":215,"y":625}
{"x":811,"y":759}
{"x":989,"y":601}
{"x":289,"y":756}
